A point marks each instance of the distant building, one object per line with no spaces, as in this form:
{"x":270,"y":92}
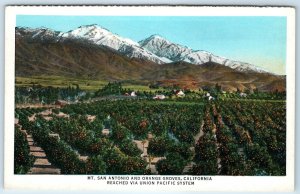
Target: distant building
{"x":208,"y":96}
{"x":159,"y":97}
{"x":133,"y":94}
{"x":180,"y":93}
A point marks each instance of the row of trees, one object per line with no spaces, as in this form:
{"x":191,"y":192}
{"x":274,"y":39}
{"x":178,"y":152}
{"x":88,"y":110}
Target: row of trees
{"x":242,"y":138}
{"x":47,"y":95}
{"x":218,"y":92}
{"x":173,"y":126}
{"x":239,"y":138}
{"x":206,"y":151}
{"x":22,"y":159}
{"x":78,"y":135}
{"x":259,"y":135}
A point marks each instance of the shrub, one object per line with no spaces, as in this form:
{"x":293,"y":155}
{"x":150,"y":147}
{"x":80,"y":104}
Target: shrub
{"x":22,"y":158}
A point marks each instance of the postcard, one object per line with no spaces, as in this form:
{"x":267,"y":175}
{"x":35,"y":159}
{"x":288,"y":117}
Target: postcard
{"x":154,"y":98}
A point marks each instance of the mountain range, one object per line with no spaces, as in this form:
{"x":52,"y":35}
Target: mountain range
{"x":94,"y":52}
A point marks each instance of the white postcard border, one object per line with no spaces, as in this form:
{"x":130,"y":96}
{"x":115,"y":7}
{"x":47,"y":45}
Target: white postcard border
{"x":80,"y":182}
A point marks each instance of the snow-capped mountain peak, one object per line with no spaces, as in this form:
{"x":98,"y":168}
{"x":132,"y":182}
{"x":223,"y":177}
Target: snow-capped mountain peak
{"x":87,"y":31}
{"x":164,"y":48}
{"x":101,"y":36}
{"x":157,"y":37}
{"x":176,"y":52}
{"x":43,"y":33}
{"x":155,"y":48}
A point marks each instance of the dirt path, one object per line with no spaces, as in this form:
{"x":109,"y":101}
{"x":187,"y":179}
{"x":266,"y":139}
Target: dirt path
{"x":199,"y":134}
{"x":145,"y":156}
{"x":41,"y":164}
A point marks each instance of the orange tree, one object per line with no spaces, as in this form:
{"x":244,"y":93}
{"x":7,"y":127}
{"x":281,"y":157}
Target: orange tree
{"x":119,"y":163}
{"x":22,"y":159}
{"x":206,"y":156}
{"x":172,"y":165}
{"x":158,"y":146}
{"x":58,"y":152}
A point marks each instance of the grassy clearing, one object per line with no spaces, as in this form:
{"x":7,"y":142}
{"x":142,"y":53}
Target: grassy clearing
{"x":140,"y":88}
{"x":84,"y":84}
{"x":57,"y":81}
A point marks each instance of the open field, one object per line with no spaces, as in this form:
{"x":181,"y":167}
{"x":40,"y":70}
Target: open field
{"x":59,"y":81}
{"x":84,"y":84}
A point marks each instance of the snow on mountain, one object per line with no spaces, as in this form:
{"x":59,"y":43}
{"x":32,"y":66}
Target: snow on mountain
{"x":217,"y":59}
{"x":102,"y":36}
{"x":197,"y":57}
{"x":164,"y":48}
{"x":175,"y":52}
{"x":243,"y":67}
{"x":43,"y":34}
{"x":154,"y":48}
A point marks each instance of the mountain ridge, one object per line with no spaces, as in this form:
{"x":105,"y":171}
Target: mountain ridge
{"x":161,"y":52}
{"x":43,"y":52}
{"x":176,"y":52}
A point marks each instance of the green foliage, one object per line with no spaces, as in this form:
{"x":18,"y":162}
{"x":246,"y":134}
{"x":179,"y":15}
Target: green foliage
{"x":58,"y":152}
{"x":46,"y":95}
{"x":183,"y":149}
{"x":255,"y":142}
{"x":118,"y":163}
{"x":56,"y":111}
{"x":158,"y":146}
{"x":96,"y":165}
{"x":129,"y":148}
{"x":173,"y":165}
{"x":154,"y":86}
{"x":206,"y":154}
{"x":120,"y":133}
{"x":238,"y":137}
{"x":114,"y":88}
{"x":22,"y":158}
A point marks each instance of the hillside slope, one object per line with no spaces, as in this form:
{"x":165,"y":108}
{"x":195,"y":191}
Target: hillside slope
{"x":81,"y":59}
